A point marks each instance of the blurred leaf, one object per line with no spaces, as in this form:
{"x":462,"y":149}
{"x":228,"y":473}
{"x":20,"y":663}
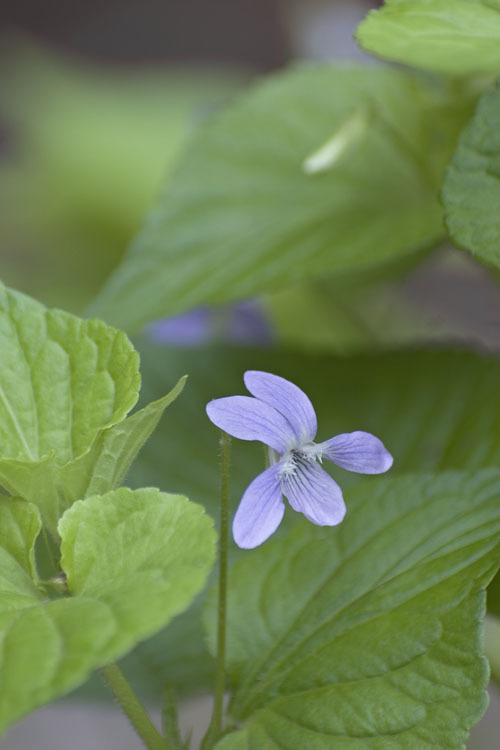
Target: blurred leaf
{"x":471,"y":191}
{"x":245,"y":212}
{"x":133,"y":559}
{"x":350,"y":317}
{"x":368,"y":635}
{"x":87,"y":147}
{"x":63,"y":381}
{"x":434,"y":410}
{"x":449,"y":36}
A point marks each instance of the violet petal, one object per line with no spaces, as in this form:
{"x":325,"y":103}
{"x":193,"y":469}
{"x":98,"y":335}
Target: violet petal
{"x":311,"y":491}
{"x":260,"y":511}
{"x":248,"y":418}
{"x":358,"y":451}
{"x":287,"y":398}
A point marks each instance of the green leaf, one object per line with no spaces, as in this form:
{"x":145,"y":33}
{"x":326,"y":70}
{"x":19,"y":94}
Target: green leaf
{"x":471,"y":191}
{"x":435,"y":410}
{"x":63,"y":381}
{"x":450,"y":36}
{"x":112,"y":453}
{"x":20,"y":525}
{"x":144,"y":553}
{"x":133,"y":561}
{"x":368,"y":635}
{"x":319,"y":169}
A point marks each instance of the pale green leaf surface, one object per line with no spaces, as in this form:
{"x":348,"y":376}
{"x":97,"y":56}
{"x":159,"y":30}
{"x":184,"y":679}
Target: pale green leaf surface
{"x":146,"y":554}
{"x":435,"y":410}
{"x":471,"y":191}
{"x":451,"y":36}
{"x":133,"y":561}
{"x":103,"y":467}
{"x":243,"y":215}
{"x":368,"y":635}
{"x":48,"y":649}
{"x":63,"y":380}
{"x":20,"y":525}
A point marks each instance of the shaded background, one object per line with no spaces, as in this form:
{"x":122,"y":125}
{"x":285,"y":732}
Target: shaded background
{"x":96,"y":100}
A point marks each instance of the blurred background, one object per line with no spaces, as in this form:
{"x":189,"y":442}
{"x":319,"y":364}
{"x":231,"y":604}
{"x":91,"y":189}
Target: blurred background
{"x":97,"y":99}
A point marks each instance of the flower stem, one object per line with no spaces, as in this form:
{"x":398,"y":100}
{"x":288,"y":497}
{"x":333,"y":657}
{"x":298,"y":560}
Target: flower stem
{"x":131,"y":706}
{"x":216,"y":725}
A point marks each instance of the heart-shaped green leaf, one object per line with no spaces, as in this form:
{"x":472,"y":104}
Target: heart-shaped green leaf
{"x":367,"y":635}
{"x":133,"y":560}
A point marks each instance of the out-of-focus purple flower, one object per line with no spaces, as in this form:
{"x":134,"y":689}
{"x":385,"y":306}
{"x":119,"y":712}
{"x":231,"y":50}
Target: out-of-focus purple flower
{"x":248,"y":324}
{"x":280,"y":415}
{"x":189,"y":329}
{"x":240,"y":323}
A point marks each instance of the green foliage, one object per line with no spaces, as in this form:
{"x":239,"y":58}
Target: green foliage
{"x":63,"y":381}
{"x":106,"y":463}
{"x":434,"y":410}
{"x":368,"y":635}
{"x":471,"y":191}
{"x":133,"y":560}
{"x":20,"y":525}
{"x":450,"y":36}
{"x":66,"y":386}
{"x":320,"y":169}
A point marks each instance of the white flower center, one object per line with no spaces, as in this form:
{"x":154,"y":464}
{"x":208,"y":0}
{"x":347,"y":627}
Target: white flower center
{"x":291,"y":460}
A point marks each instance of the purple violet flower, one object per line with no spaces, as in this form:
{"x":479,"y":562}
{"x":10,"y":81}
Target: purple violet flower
{"x":281,"y":416}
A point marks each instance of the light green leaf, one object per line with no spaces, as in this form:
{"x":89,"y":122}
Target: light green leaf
{"x":368,"y":635}
{"x":435,"y":410}
{"x":471,"y":191}
{"x":63,"y":381}
{"x":450,"y":36}
{"x":133,"y":561}
{"x":144,"y":553}
{"x":112,"y":453}
{"x":20,"y":525}
{"x":245,"y":212}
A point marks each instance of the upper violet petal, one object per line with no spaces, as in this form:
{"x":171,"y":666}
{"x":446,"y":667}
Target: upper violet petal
{"x":311,"y":491}
{"x":260,"y":511}
{"x":357,"y":451}
{"x":248,"y":418}
{"x":288,"y":399}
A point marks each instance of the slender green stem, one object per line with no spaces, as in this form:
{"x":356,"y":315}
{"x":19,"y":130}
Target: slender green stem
{"x":216,"y":725}
{"x":131,"y":706}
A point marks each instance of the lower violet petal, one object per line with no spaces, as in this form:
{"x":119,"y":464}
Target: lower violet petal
{"x":311,"y":491}
{"x":260,"y":511}
{"x":358,"y":451}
